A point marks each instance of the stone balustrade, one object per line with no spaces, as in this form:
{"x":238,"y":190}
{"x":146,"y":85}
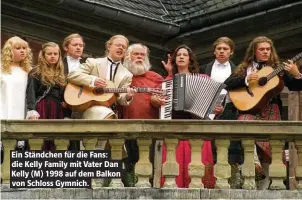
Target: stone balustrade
{"x":196,"y":131}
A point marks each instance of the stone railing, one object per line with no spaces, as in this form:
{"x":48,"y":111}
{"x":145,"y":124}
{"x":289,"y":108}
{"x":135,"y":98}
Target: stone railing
{"x":116,"y":131}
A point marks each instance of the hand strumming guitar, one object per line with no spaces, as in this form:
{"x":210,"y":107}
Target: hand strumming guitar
{"x":99,"y":82}
{"x":252,"y":77}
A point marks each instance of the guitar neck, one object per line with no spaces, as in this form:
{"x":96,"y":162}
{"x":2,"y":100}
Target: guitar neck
{"x":120,"y":90}
{"x":280,"y":68}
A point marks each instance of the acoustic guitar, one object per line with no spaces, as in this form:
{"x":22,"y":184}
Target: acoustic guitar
{"x":256,"y":96}
{"x":80,"y":98}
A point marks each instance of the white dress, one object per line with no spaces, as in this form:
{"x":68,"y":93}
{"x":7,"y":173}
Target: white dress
{"x":13,"y":94}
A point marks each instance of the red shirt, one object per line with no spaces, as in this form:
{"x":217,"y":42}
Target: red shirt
{"x":141,"y":107}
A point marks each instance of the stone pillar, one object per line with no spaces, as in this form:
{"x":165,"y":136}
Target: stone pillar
{"x":8,"y":145}
{"x":35,"y":144}
{"x":222,"y":170}
{"x":143,"y":167}
{"x":277,"y":170}
{"x":248,"y":167}
{"x":61,"y":144}
{"x":298,"y":169}
{"x":117,"y":146}
{"x":196,"y":167}
{"x":170,"y":167}
{"x":90,"y":145}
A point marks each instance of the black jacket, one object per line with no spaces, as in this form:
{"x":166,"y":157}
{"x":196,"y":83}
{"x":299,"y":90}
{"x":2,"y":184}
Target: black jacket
{"x":36,"y":91}
{"x":67,"y":111}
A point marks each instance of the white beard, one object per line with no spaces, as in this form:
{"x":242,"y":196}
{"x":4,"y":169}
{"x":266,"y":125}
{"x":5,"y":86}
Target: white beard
{"x":137,"y":69}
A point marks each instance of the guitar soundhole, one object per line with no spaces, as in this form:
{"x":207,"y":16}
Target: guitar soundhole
{"x":98,"y":91}
{"x":262,"y":81}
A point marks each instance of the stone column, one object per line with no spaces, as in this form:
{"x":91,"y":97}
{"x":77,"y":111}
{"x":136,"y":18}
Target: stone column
{"x":196,"y":167}
{"x":248,"y":167}
{"x":117,"y":146}
{"x":143,"y":167}
{"x":298,"y":169}
{"x":8,"y":145}
{"x":35,"y":144}
{"x":61,"y":144}
{"x":170,"y":167}
{"x":90,"y":145}
{"x":277,"y":170}
{"x":222,"y":167}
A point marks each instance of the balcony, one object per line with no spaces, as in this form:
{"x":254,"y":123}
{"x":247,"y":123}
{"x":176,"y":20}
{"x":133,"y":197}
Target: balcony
{"x":196,"y":131}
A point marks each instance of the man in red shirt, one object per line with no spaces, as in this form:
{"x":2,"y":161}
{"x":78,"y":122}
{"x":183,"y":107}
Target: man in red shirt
{"x":143,"y":105}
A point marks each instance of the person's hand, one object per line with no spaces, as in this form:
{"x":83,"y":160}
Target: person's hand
{"x":218,"y":110}
{"x":168,"y":65}
{"x":292,"y":68}
{"x":157,"y":101}
{"x":130,"y":93}
{"x":100,"y":82}
{"x":252,"y":76}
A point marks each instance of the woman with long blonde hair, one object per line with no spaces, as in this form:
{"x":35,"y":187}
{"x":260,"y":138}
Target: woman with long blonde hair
{"x":16,"y":62}
{"x":45,"y":87}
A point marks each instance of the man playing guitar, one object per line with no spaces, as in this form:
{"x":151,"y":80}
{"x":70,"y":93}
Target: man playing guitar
{"x":95,"y":72}
{"x":261,"y":53}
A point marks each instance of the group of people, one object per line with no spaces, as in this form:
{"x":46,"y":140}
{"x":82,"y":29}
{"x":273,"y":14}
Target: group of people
{"x":37,"y":92}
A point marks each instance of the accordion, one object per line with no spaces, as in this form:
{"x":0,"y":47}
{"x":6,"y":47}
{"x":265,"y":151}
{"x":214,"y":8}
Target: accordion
{"x":196,"y":94}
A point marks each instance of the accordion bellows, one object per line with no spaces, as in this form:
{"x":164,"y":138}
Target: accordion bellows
{"x":196,"y":94}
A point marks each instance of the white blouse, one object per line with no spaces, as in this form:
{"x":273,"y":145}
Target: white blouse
{"x":13,"y":94}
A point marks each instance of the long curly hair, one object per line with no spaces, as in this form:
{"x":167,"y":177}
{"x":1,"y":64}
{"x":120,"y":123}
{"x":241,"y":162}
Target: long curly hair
{"x":193,"y":64}
{"x":7,"y":55}
{"x":48,"y":75}
{"x":273,"y":60}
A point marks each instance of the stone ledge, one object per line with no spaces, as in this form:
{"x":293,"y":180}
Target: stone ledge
{"x":146,"y":193}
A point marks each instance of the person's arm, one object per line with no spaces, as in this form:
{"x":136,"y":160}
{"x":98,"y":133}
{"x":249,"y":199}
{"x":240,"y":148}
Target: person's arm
{"x":122,"y":99}
{"x":235,"y":82}
{"x":82,"y":76}
{"x":31,"y":97}
{"x":293,"y":84}
{"x":292,"y":76}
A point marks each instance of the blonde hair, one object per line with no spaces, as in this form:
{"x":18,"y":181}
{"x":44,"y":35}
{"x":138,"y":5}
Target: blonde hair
{"x":67,"y":39}
{"x":127,"y":58}
{"x":7,"y":55}
{"x":49,"y":76}
{"x":250,"y":54}
{"x":110,"y":41}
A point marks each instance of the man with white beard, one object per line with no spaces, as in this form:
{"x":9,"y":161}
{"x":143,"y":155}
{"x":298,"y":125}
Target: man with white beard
{"x":143,"y":105}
